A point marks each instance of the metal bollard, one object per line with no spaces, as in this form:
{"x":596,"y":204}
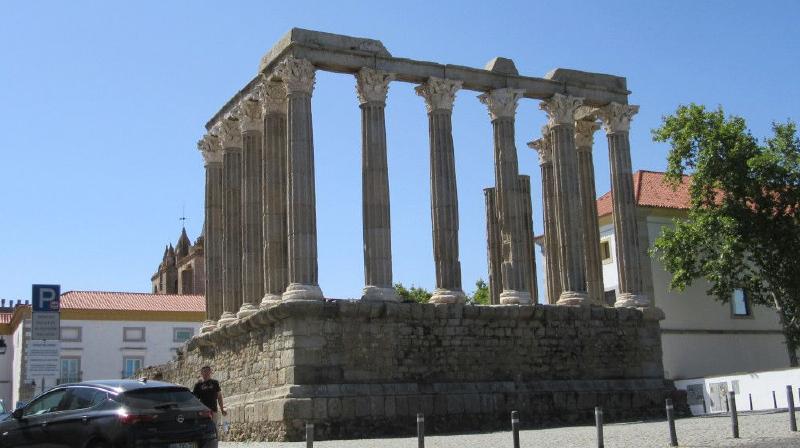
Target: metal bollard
{"x":751,"y":401}
{"x":309,"y":435}
{"x":790,"y":406}
{"x":774,"y":400}
{"x":515,"y":427}
{"x":673,"y":437}
{"x":734,"y":417}
{"x":598,"y":421}
{"x":420,"y":430}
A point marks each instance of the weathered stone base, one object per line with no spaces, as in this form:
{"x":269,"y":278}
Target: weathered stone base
{"x":365,"y":369}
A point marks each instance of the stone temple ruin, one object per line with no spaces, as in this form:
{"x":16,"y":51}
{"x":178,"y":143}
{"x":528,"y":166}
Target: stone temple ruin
{"x":285,"y":356}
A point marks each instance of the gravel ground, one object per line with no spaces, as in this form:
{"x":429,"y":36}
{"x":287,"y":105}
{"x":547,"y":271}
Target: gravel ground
{"x":755,"y":430}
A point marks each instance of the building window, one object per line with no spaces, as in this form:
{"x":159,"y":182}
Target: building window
{"x":70,"y":370}
{"x":605,"y":251}
{"x":130,"y":365}
{"x":740,"y":303}
{"x":610,"y":297}
{"x":182,"y":334}
{"x":133,"y":334}
{"x":71,"y":334}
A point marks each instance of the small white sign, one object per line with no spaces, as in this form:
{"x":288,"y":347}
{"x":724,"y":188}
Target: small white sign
{"x":45,"y":326}
{"x":43,"y":357}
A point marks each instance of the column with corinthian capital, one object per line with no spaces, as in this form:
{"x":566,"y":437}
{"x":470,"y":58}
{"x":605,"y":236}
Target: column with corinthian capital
{"x":298,"y":76}
{"x":231,"y":140}
{"x":502,"y":105}
{"x":569,"y":225}
{"x":550,"y":245}
{"x":372,"y":87}
{"x":209,"y":146}
{"x":616,"y":120}
{"x":439,"y":95}
{"x":251,"y":125}
{"x":276,"y":261}
{"x":584,"y":140}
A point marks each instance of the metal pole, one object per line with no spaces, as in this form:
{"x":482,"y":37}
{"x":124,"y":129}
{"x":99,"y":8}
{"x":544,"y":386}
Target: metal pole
{"x":750,"y":396}
{"x":774,"y":400}
{"x":420,"y":430}
{"x":734,"y":417}
{"x":515,"y":427}
{"x":790,"y":405}
{"x":673,"y":437}
{"x":309,"y":435}
{"x":598,"y":420}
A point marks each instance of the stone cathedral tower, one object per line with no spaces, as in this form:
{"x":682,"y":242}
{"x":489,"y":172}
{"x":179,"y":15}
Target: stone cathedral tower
{"x":182,"y":268}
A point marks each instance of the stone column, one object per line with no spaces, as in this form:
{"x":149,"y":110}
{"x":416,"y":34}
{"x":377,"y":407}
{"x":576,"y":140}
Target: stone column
{"x":372,"y":87}
{"x":231,"y":141}
{"x":209,"y":145}
{"x":439,"y":95}
{"x":494,"y":247}
{"x":527,"y":226}
{"x":584,"y":140}
{"x":251,"y":125}
{"x":616,"y":120}
{"x":298,"y":76}
{"x":561,"y":122}
{"x":502,"y":104}
{"x":550,"y":244}
{"x":276,"y":256}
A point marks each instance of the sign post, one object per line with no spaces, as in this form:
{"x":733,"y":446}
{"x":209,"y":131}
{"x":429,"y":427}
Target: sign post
{"x":44,"y":348}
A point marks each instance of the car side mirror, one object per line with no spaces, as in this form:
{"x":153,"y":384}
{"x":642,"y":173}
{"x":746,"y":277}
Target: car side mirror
{"x":17,"y":414}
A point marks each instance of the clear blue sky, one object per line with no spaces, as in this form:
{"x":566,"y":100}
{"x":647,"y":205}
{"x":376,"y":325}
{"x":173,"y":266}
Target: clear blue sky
{"x":101,"y":104}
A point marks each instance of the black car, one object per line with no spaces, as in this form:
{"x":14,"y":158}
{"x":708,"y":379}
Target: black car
{"x":111,"y":414}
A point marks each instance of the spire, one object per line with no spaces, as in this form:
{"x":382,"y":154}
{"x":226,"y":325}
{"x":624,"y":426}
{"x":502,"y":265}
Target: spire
{"x":182,"y":249}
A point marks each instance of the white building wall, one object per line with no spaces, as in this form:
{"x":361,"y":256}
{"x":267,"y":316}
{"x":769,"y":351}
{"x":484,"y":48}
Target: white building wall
{"x":7,"y":372}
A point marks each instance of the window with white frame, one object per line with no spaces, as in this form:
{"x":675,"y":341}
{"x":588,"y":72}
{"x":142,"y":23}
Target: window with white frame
{"x":71,"y":334}
{"x":605,"y":251}
{"x":130,"y":365}
{"x":133,"y":334}
{"x":740,"y":303}
{"x":70,"y":370}
{"x":182,"y":334}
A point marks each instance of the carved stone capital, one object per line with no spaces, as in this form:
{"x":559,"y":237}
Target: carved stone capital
{"x":502,"y":103}
{"x":230,"y":135}
{"x":250,"y":118}
{"x":297,"y":74}
{"x":543,"y":148}
{"x":273,"y":97}
{"x":616,"y":117}
{"x":584,"y":134}
{"x":210,"y":147}
{"x":561,"y":109}
{"x":372,"y":86}
{"x":439,"y":93}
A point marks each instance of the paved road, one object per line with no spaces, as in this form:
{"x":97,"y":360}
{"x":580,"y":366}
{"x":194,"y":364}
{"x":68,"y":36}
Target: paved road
{"x":756,"y":431}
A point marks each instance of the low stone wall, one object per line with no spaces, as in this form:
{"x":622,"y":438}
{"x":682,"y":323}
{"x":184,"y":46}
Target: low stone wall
{"x":359,"y":369}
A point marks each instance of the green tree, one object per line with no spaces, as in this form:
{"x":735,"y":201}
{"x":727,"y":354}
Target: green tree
{"x":416,"y":294}
{"x":481,"y":294}
{"x":742,"y":229}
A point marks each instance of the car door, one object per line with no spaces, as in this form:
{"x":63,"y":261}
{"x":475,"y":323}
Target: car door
{"x":72,"y":425}
{"x":28,"y":430}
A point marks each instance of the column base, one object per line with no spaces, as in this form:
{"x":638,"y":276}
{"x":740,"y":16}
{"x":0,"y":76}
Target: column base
{"x":652,"y":313}
{"x":297,"y":291}
{"x":207,"y":326}
{"x":227,"y":318}
{"x":573,"y":298}
{"x":630,"y":300}
{"x":380,"y":294}
{"x":247,"y":309}
{"x":269,"y":300}
{"x":441,"y":295}
{"x":512,"y":297}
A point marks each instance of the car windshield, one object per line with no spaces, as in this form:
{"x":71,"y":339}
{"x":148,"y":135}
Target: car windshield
{"x":159,"y":398}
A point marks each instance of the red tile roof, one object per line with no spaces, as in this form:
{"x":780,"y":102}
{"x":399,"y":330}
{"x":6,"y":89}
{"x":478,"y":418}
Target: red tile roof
{"x":131,"y":301}
{"x":651,"y":190}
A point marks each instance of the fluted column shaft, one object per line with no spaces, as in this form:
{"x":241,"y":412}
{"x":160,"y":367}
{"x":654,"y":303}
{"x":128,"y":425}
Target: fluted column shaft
{"x":502,"y":104}
{"x":232,"y":221}
{"x":439,"y":96}
{"x":550,"y":244}
{"x":561,"y":113}
{"x":212,"y":155}
{"x":298,"y":75}
{"x":494,"y":252}
{"x":529,"y":250}
{"x":372,"y":88}
{"x":584,"y":131}
{"x":276,"y":255}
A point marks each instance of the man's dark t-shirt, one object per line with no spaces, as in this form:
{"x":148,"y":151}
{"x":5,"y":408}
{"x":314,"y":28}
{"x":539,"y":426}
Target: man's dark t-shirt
{"x":206,"y":392}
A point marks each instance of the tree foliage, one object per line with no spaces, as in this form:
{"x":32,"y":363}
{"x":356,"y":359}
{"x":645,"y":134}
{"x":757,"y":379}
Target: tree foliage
{"x":414,"y":294}
{"x":481,"y":294}
{"x":742,"y":229}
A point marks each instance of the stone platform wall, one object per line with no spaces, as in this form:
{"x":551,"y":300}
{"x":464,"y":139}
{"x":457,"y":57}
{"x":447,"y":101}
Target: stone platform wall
{"x":365,"y":369}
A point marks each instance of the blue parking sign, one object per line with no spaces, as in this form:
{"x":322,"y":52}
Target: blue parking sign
{"x":46,"y":298}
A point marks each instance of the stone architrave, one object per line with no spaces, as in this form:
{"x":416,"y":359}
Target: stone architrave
{"x":276,"y":256}
{"x":298,"y":77}
{"x":569,"y":225}
{"x":372,"y":86}
{"x":209,"y":146}
{"x":530,"y":246}
{"x":550,"y":243}
{"x":584,"y":140}
{"x":616,"y":119}
{"x":251,"y":124}
{"x":502,"y":105}
{"x":439,"y":95}
{"x":231,"y":140}
{"x":494,"y":249}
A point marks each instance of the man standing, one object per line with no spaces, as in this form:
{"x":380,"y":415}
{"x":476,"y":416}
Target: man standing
{"x":207,"y":390}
